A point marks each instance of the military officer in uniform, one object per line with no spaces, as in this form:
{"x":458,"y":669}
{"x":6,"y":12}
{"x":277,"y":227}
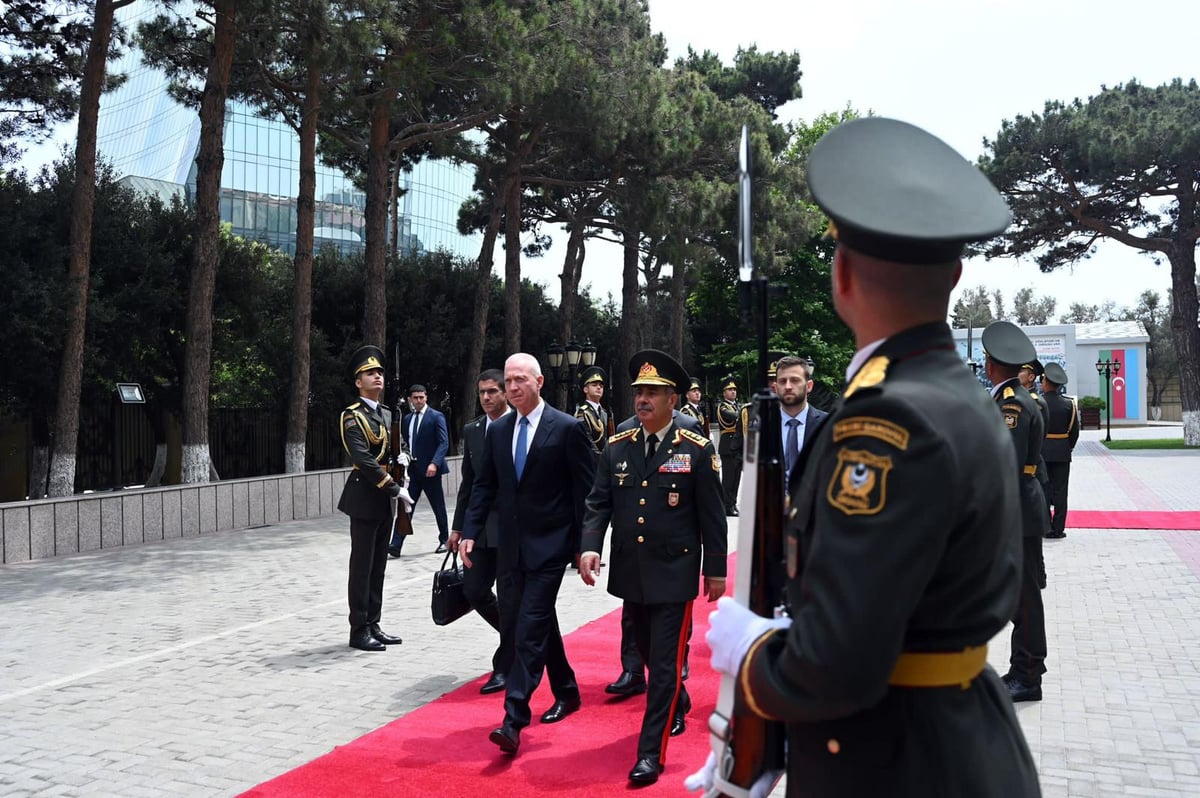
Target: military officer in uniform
{"x":692,"y":406}
{"x":658,"y":486}
{"x":902,"y":543}
{"x":370,"y":499}
{"x":1029,"y":375}
{"x":729,"y":444}
{"x":1005,"y":349}
{"x":590,"y":411}
{"x":1062,"y":433}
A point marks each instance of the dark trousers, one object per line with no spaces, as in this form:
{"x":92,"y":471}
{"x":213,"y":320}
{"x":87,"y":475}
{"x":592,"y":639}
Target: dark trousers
{"x":537,"y":641}
{"x":368,"y":559}
{"x":731,"y":477}
{"x":1028,"y":659}
{"x":418,"y":483}
{"x":631,"y":658}
{"x":1060,"y":476}
{"x":477,"y":586}
{"x":662,"y":632}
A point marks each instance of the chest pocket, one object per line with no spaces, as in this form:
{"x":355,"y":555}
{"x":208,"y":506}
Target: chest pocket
{"x":671,"y":491}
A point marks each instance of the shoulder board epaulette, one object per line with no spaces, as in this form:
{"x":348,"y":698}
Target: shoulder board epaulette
{"x":1009,"y":393}
{"x":872,"y":373}
{"x":355,"y":406}
{"x":620,"y":436}
{"x":694,"y":437}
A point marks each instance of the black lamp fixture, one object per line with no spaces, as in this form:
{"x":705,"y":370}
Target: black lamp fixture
{"x":554,"y":355}
{"x":1108,"y":368}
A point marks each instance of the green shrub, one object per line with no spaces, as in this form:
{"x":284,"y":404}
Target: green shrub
{"x":1091,"y":403}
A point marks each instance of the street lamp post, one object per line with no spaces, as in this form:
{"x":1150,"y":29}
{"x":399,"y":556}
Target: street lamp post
{"x":1108,"y":368}
{"x":565,"y":363}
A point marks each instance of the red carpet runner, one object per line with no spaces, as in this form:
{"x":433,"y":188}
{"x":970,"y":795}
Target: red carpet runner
{"x":442,"y":748}
{"x":1132,"y":519}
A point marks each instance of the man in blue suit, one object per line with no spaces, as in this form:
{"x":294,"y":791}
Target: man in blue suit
{"x":793,"y":383}
{"x":536,"y":472}
{"x":428,"y":440}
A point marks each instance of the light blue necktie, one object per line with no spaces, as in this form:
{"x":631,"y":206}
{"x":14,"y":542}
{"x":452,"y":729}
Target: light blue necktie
{"x":522,"y":445}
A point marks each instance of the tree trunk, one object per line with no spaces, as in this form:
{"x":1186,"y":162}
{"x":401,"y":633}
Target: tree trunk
{"x":1187,"y":336}
{"x":512,"y":267}
{"x":483,"y":301}
{"x":394,"y":206}
{"x":79,"y":249}
{"x":572,"y":263}
{"x":297,"y":418}
{"x":678,"y":306}
{"x":209,"y":161}
{"x":375,"y":279}
{"x":627,"y":327}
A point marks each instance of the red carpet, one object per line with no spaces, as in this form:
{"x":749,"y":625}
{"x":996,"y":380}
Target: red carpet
{"x":442,"y":748}
{"x":1133,"y":519}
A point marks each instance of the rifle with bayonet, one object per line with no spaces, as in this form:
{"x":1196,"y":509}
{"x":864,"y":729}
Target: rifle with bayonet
{"x":397,"y":459}
{"x":746,"y":745}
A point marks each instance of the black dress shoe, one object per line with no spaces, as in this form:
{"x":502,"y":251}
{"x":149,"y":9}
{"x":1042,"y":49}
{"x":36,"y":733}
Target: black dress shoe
{"x":364,"y":641}
{"x":645,"y":772}
{"x":684,"y":673}
{"x":393,"y":552}
{"x":507,"y":737}
{"x":384,"y":637}
{"x":494,"y":684}
{"x":1053,"y":535}
{"x":732,"y":511}
{"x":627,"y":684}
{"x":1022,"y":691}
{"x":441,"y":549}
{"x":560,"y":710}
{"x":678,"y":724}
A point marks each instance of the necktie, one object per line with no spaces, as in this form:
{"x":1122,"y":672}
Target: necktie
{"x":522,"y":444}
{"x":651,"y":445}
{"x":415,"y":426}
{"x":791,"y":449}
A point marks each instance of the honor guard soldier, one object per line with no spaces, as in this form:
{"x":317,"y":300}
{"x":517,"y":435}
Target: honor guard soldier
{"x":370,"y":498}
{"x":729,"y":444}
{"x":1006,"y":348}
{"x":589,"y":411}
{"x":657,"y":485}
{"x":1062,"y":433}
{"x":693,"y":408}
{"x":901,"y":543}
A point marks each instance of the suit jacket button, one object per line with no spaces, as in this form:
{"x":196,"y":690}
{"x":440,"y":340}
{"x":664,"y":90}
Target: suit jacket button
{"x":640,"y":538}
{"x":834,"y":746}
{"x":641,"y":501}
{"x":641,"y":521}
{"x":645,"y":484}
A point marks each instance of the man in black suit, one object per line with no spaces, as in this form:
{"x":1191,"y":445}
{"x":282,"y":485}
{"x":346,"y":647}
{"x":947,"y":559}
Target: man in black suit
{"x":481,"y":577}
{"x":658,"y":484}
{"x":793,"y":382}
{"x":428,"y":439}
{"x":370,"y":499}
{"x":1062,"y":433}
{"x":536,"y":471}
{"x":1006,"y":347}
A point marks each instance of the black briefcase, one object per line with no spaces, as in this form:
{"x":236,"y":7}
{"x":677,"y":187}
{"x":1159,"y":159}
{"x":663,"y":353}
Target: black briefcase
{"x":449,"y":599}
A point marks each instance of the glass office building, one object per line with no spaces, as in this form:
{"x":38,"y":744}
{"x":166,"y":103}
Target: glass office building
{"x":151,"y":141}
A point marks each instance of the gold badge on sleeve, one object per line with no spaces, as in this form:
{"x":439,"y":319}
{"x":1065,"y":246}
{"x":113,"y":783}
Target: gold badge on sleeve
{"x":859,"y":483}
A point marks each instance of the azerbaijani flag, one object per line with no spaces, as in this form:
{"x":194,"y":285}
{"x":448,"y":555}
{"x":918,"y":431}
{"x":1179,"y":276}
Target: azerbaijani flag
{"x":1126,"y":396}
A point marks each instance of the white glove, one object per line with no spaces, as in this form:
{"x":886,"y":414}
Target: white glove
{"x":404,"y":497}
{"x":732,"y":630}
{"x":703,"y":779}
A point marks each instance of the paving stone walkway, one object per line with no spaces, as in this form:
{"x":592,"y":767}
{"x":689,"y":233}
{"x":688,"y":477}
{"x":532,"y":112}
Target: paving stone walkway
{"x":204,"y":666}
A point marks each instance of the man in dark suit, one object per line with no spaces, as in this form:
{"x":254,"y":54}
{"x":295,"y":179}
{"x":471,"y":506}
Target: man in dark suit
{"x":1006,"y":347}
{"x":536,"y":471}
{"x":428,"y":440}
{"x":1062,"y":433}
{"x":659,"y":487}
{"x":729,"y":444}
{"x":370,"y":499}
{"x":793,"y":382}
{"x":481,"y":577}
{"x":902,"y":547}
